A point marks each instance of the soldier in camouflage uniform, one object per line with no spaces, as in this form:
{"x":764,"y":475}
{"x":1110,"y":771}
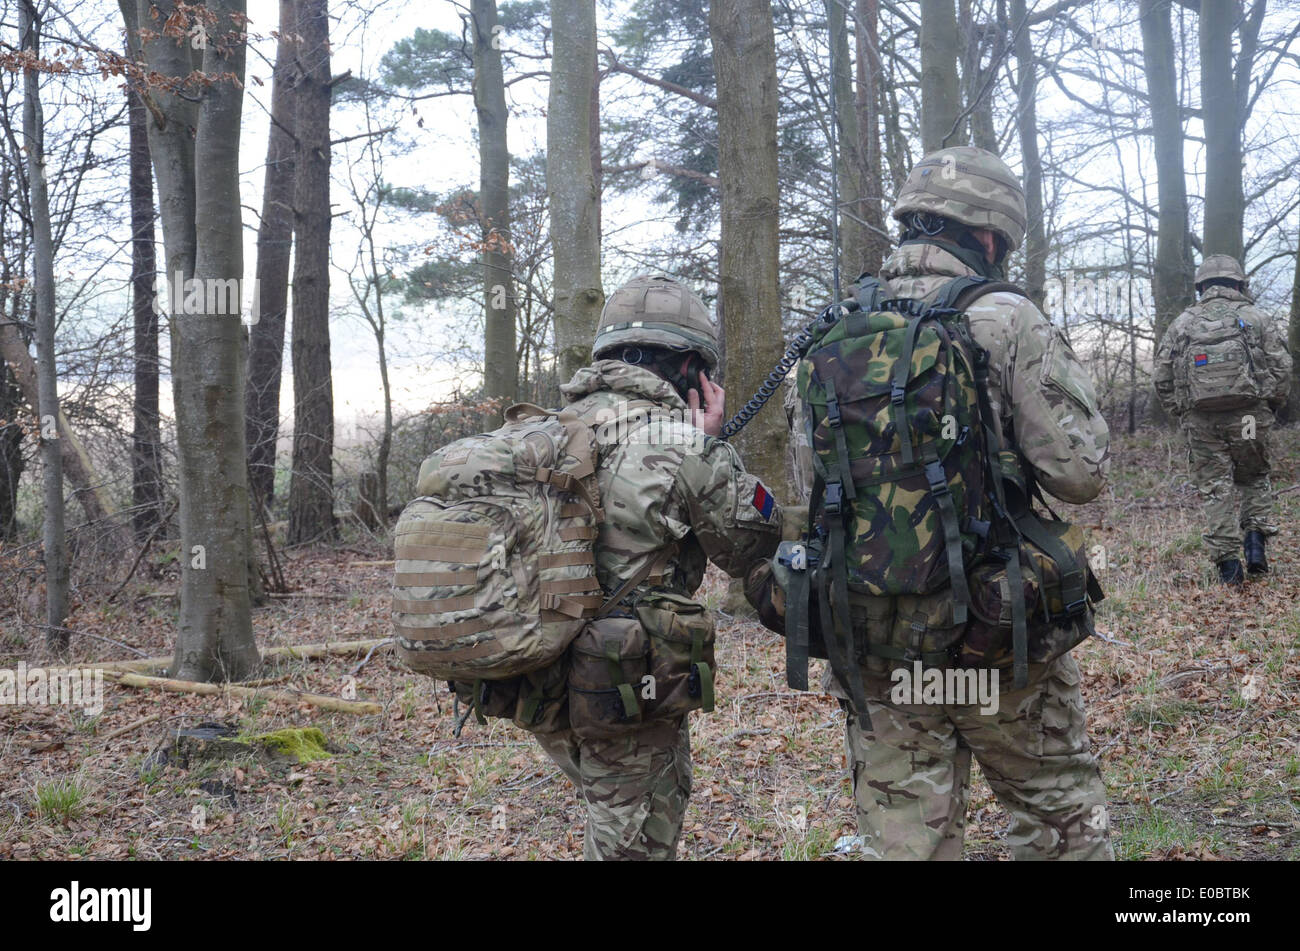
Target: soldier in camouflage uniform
{"x":1231,"y":445}
{"x":667,"y":489}
{"x":962,"y":211}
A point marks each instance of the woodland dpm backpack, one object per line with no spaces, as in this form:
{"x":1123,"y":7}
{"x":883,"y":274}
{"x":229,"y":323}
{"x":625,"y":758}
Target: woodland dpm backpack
{"x":907,"y":501}
{"x":494,"y":568}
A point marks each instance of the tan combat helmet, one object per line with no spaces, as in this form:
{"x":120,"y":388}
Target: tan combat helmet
{"x":656,"y":311}
{"x":1220,"y":265}
{"x":968,"y":185}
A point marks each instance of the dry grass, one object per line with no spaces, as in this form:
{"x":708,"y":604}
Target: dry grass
{"x":1195,"y":769}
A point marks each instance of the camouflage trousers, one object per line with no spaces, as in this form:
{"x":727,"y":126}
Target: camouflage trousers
{"x":1227,"y":450}
{"x":636,"y":788}
{"x":911,"y":773}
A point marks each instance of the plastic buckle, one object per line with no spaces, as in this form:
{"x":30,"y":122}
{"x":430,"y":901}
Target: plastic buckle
{"x":834,"y":498}
{"x":934,"y":474}
{"x":897,"y":394}
{"x":1075,"y":608}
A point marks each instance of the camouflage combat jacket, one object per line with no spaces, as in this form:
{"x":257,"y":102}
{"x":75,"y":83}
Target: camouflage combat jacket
{"x":1272,"y":360}
{"x":664,"y":482}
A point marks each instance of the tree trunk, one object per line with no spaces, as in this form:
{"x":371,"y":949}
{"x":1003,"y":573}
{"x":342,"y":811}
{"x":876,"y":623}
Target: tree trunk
{"x":11,"y":451}
{"x":203,"y":248}
{"x":1172,"y":278}
{"x":274,"y":243}
{"x":940,"y":87}
{"x":571,"y":184}
{"x":1292,"y":411}
{"x":146,"y":441}
{"x":311,"y":484}
{"x":1027,"y":125}
{"x":870,"y":203}
{"x":744,"y":61}
{"x":978,"y":99}
{"x":500,"y":361}
{"x":1224,"y":204}
{"x":852,"y":167}
{"x":38,"y":209}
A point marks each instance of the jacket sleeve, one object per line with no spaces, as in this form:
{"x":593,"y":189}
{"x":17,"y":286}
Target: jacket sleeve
{"x":1054,"y":410}
{"x":734,"y":516}
{"x":1163,"y":376}
{"x":1278,"y":360}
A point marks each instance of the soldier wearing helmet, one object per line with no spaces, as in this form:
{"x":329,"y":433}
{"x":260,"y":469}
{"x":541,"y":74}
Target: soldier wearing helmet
{"x":675,"y":497}
{"x":1221,"y":370}
{"x":961,"y":212}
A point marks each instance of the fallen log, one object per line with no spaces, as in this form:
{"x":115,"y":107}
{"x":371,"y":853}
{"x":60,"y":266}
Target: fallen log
{"x":298,"y":652}
{"x":338,"y":705}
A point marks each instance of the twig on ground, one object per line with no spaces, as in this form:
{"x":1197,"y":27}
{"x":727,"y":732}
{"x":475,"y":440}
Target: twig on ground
{"x":737,"y":734}
{"x":357,"y":669}
{"x":122,"y":731}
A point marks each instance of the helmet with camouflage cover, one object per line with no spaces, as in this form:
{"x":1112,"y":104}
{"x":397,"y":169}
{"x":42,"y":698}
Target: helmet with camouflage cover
{"x":1220,"y":266}
{"x":968,"y":185}
{"x":654,"y":310}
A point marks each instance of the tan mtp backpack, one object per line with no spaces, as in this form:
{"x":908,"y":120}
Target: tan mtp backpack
{"x":494,"y":568}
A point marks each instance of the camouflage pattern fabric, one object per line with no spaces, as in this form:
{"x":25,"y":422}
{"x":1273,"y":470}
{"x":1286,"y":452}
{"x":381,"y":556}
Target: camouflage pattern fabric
{"x":636,"y":788}
{"x":798,"y":448}
{"x":1222,"y":456}
{"x":911,"y":774}
{"x":1272,"y":360}
{"x":969,"y":185}
{"x":1040,"y":391}
{"x":1230,"y":447}
{"x":662,"y":482}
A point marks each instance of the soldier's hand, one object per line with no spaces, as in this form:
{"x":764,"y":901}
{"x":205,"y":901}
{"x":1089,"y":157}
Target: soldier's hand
{"x":708,"y":418}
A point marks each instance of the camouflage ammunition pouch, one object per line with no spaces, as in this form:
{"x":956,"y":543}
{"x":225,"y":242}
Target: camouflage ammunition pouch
{"x":1056,"y":588}
{"x":682,"y":666}
{"x":654,"y":662}
{"x":1217,"y":368}
{"x":609,"y":663}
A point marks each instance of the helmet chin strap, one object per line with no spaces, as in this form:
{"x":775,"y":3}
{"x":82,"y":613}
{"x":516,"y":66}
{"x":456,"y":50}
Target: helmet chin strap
{"x":680,"y":369}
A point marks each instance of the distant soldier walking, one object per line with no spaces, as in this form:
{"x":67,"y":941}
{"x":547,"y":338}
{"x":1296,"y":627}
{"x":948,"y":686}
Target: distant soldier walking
{"x":1221,"y":370}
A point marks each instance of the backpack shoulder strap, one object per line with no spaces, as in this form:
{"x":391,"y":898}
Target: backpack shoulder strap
{"x":961,"y":292}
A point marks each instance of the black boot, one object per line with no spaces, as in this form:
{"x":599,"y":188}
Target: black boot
{"x":1230,"y":572}
{"x":1256,"y":563}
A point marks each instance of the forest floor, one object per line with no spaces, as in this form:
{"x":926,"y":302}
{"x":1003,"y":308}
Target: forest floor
{"x":1193,"y":717}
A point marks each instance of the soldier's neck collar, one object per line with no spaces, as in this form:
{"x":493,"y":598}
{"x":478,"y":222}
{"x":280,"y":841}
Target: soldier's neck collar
{"x":972,"y":258}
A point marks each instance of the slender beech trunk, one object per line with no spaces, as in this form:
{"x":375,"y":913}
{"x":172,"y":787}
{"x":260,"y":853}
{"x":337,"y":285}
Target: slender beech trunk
{"x":1172,"y":278}
{"x":1027,"y":126}
{"x":1224,"y":205}
{"x":500,"y":366}
{"x":146,"y":441}
{"x":311,"y":485}
{"x":744,"y":61}
{"x":38,"y":207}
{"x":274,"y":243}
{"x":853,"y":231}
{"x":870,"y":204}
{"x":940,"y":86}
{"x":571,"y":183}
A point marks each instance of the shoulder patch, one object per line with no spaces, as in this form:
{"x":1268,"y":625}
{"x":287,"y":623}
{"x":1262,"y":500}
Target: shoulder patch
{"x":763,"y":501}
